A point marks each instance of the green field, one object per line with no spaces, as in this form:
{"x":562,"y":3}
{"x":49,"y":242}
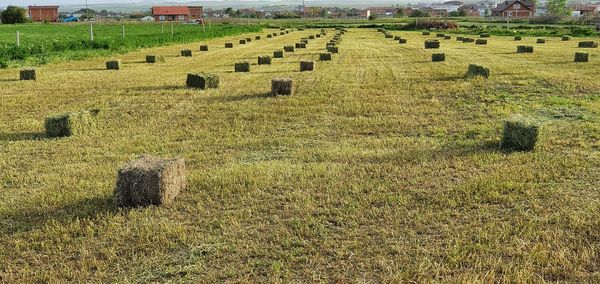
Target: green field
{"x":44,"y":43}
{"x":382,"y":167}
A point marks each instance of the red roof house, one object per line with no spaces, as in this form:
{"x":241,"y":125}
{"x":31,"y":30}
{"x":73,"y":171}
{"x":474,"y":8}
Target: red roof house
{"x":176,"y":13}
{"x":43,"y":13}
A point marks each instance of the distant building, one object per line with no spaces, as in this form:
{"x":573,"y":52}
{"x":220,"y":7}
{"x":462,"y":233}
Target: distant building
{"x":176,"y":13}
{"x":379,"y":12}
{"x":447,"y":7}
{"x":514,"y":9}
{"x":43,"y":13}
{"x":580,"y":10}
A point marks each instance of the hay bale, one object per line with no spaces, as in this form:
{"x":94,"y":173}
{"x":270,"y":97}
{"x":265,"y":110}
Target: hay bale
{"x":484,"y":35}
{"x":248,"y":39}
{"x":305,"y":41}
{"x":149,"y":181}
{"x":269,"y":36}
{"x":432,"y":43}
{"x":459,"y":38}
{"x":519,"y":134}
{"x":278,"y":54}
{"x":242,"y":41}
{"x":402,"y":41}
{"x":524,"y":49}
{"x":517,"y":38}
{"x":264,"y":60}
{"x":27,"y":74}
{"x":204,"y":47}
{"x":426,"y":33}
{"x":397,"y":37}
{"x":477,"y":71}
{"x":288,"y":48}
{"x":389,"y":36}
{"x":301,"y":45}
{"x":565,"y":38}
{"x":581,"y":57}
{"x":113,"y":65}
{"x":155,"y":59}
{"x":311,"y":37}
{"x":257,"y":38}
{"x":71,"y":124}
{"x":282,"y":33}
{"x":242,"y":66}
{"x":318,"y":35}
{"x":440,"y":35}
{"x":325,"y":57}
{"x":447,"y":37}
{"x":468,"y":40}
{"x":540,"y":40}
{"x":274,"y":34}
{"x":333,"y":49}
{"x":438,"y":57}
{"x":282,"y":87}
{"x":186,"y":52}
{"x":228,"y":45}
{"x":202,"y":81}
{"x":481,"y":41}
{"x":588,"y":44}
{"x":307,"y":66}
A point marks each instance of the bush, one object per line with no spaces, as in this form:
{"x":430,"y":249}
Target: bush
{"x":13,"y":15}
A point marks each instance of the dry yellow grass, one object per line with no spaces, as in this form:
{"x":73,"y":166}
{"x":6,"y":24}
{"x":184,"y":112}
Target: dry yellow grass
{"x":382,"y":167}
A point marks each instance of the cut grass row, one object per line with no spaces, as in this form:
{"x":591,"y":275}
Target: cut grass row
{"x":383,"y":167}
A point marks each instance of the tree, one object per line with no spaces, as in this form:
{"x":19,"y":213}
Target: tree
{"x":419,"y":14}
{"x":557,"y":8}
{"x":372,"y":17}
{"x":13,"y":15}
{"x":486,"y":13}
{"x":400,"y":13}
{"x":458,"y":13}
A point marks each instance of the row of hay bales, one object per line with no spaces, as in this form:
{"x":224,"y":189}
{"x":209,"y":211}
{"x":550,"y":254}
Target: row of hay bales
{"x":151,"y":180}
{"x":245,"y":66}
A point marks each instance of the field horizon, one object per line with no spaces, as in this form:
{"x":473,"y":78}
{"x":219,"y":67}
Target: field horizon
{"x":382,"y":166}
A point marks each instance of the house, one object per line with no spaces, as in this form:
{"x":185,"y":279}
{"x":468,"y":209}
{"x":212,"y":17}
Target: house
{"x":176,"y":13}
{"x":448,"y":6}
{"x":379,"y":12}
{"x":514,"y":9}
{"x":43,"y":13}
{"x":471,"y":10}
{"x":584,"y":9}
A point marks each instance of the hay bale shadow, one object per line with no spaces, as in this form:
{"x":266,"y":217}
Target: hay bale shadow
{"x":238,"y":98}
{"x":158,"y":88}
{"x":449,"y":78}
{"x":135,"y":62}
{"x":90,"y":69}
{"x":22,"y":136}
{"x":9,"y":80}
{"x":29,"y":219}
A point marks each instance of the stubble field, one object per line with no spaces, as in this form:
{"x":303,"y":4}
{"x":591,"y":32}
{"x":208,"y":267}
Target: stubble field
{"x":382,"y":167}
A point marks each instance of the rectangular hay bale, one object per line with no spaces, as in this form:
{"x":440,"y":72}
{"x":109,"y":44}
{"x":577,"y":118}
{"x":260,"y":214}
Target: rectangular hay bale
{"x":202,"y":81}
{"x":27,"y":74}
{"x":242,"y":66}
{"x":264,"y":60}
{"x":278,"y":54}
{"x":325,"y":57}
{"x":307,"y":66}
{"x":71,"y":124}
{"x":438,"y":57}
{"x":113,"y":65}
{"x":282,"y":86}
{"x":186,"y":52}
{"x":519,"y":133}
{"x":149,"y":181}
{"x":581,"y":57}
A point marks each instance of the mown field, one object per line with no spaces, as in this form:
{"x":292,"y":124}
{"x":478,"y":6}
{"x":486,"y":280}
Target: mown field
{"x":382,"y":167}
{"x":45,"y":43}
